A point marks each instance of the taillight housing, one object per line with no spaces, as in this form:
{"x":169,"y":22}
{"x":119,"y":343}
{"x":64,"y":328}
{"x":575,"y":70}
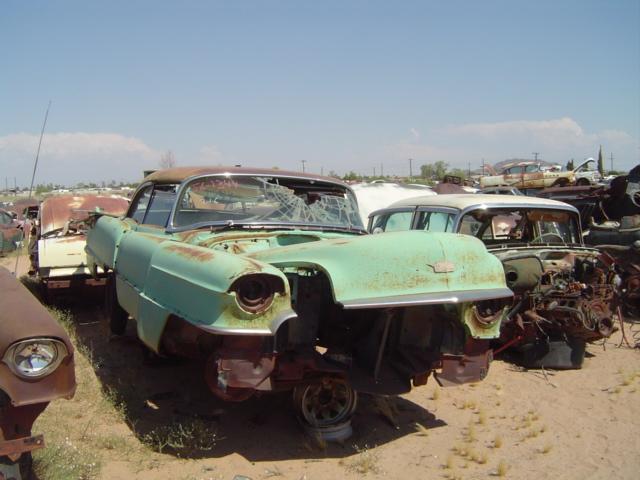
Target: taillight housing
{"x":255,"y":292}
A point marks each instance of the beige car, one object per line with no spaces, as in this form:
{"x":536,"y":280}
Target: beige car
{"x":530,"y":175}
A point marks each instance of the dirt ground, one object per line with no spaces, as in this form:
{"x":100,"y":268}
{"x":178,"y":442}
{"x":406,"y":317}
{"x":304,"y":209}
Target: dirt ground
{"x":135,"y":417}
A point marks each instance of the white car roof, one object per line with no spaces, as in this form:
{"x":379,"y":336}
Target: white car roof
{"x":463,"y":201}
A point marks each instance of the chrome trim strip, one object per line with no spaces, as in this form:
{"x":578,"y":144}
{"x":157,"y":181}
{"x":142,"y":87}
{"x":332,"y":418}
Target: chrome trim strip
{"x":428,"y":299}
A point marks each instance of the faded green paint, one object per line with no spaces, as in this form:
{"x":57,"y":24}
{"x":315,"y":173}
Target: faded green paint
{"x":393,"y":264}
{"x":477,"y":329}
{"x":189,"y":274}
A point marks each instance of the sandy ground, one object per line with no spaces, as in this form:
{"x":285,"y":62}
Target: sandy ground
{"x":516,"y":424}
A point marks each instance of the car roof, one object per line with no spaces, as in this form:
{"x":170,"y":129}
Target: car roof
{"x":179,"y":174}
{"x":464,"y":201}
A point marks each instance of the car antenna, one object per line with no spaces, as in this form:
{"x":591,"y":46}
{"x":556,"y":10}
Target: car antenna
{"x":33,"y":176}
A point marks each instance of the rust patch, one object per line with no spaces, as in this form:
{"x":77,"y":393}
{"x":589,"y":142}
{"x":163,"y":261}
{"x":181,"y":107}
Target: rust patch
{"x":153,"y":238}
{"x":74,"y":239}
{"x":56,"y":211}
{"x":191,"y":253}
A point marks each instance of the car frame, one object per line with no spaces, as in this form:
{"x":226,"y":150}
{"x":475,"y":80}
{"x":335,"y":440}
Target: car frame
{"x":274,"y":285}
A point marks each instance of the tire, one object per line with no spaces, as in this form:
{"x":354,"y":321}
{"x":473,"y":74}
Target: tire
{"x":561,"y":182}
{"x":325,"y":408}
{"x":583,"y":182}
{"x":116,"y":315}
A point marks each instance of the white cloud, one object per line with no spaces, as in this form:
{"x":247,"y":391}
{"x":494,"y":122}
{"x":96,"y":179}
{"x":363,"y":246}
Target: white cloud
{"x":68,"y":158}
{"x":415,"y":133}
{"x":556,"y":140}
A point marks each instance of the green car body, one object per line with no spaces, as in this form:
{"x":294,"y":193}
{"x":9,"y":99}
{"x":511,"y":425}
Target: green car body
{"x":273,"y":281}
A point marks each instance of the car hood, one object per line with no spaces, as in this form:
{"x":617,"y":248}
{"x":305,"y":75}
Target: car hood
{"x":28,"y":319}
{"x":399,"y":268}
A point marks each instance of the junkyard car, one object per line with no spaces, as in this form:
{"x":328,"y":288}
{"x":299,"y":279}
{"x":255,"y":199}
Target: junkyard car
{"x":269,"y":278}
{"x":531,"y":175}
{"x":10,"y":233}
{"x":564,"y":291}
{"x":58,"y":256}
{"x":611,"y":220}
{"x":36,"y":367}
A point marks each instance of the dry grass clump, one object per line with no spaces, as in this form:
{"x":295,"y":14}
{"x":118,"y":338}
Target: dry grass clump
{"x":497,"y":442}
{"x":65,"y":459}
{"x":502,"y":469}
{"x":366,"y":461}
{"x":191,"y":435}
{"x":546,"y":448}
{"x":436,"y":394}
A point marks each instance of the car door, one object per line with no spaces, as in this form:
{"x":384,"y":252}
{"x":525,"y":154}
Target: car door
{"x":514,"y":176}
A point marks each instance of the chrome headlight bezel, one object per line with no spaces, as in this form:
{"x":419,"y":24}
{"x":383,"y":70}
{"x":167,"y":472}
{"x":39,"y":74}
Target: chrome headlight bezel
{"x":53,"y":346}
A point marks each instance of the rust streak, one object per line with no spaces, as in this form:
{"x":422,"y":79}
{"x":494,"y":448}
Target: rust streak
{"x":191,"y":253}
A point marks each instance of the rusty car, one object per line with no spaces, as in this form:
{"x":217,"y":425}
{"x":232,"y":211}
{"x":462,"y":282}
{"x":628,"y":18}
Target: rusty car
{"x":611,"y":222}
{"x":270,"y":280}
{"x":36,"y":367}
{"x":565,"y":291}
{"x":532,"y":174}
{"x":57,"y":250}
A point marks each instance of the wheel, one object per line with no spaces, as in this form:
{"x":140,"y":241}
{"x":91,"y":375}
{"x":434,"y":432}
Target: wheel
{"x":583,"y":182}
{"x":561,"y":182}
{"x":325,"y":405}
{"x":116,"y":315}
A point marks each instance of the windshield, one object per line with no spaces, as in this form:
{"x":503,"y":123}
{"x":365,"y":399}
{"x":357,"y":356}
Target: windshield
{"x":257,"y":199}
{"x":521,"y":225}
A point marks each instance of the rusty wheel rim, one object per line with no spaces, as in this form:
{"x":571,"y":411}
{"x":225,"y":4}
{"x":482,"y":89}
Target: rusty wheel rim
{"x":327,"y":403}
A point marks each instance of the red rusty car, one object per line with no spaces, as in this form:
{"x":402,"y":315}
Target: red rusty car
{"x":36,"y":367}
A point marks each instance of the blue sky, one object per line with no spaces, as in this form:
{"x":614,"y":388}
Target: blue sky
{"x":345,"y":85}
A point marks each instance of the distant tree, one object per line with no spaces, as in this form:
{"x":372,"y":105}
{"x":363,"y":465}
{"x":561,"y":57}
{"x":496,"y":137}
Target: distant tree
{"x":570,"y":165}
{"x":600,"y":162}
{"x":440,"y":169}
{"x":458,"y":172}
{"x":351,"y":176}
{"x":333,"y":174}
{"x":167,"y":160}
{"x":426,"y":171}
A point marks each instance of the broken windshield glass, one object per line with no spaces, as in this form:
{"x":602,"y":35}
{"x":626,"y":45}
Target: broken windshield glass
{"x":244,"y":199}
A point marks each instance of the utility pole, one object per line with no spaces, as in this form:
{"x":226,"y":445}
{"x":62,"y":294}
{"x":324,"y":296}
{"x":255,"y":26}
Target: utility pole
{"x":381,"y":169}
{"x":410,"y":167}
{"x":6,"y":184}
{"x":535,"y":155}
{"x":469,"y":167}
{"x":611,"y":157}
{"x":374,"y":172}
{"x":303,"y":162}
{"x":483,"y":167}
